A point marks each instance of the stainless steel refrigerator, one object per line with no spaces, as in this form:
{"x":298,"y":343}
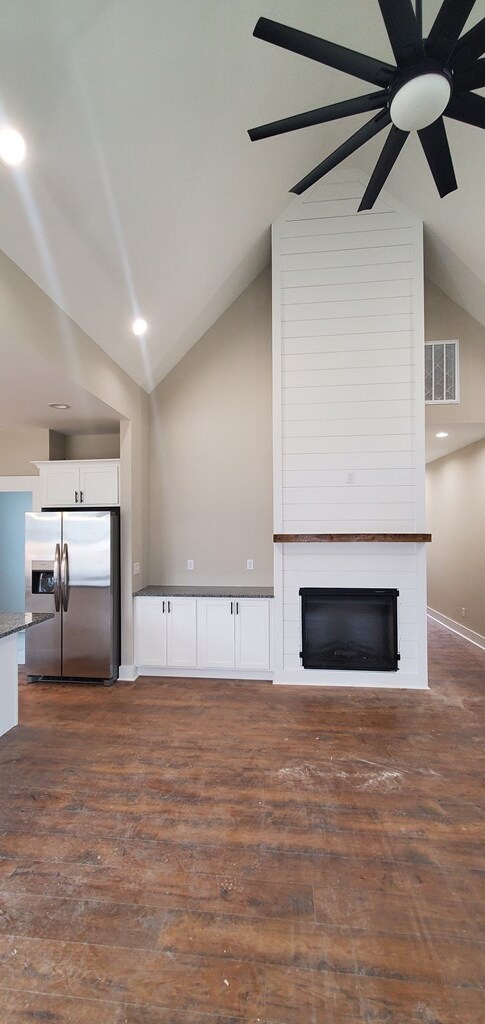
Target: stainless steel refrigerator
{"x":72,"y":569}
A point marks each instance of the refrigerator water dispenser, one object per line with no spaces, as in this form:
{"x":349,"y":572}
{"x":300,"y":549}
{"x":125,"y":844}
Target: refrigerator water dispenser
{"x":42,"y":578}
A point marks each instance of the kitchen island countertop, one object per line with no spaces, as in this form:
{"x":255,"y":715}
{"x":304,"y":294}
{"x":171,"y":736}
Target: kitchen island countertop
{"x":14,"y":622}
{"x":159,"y":590}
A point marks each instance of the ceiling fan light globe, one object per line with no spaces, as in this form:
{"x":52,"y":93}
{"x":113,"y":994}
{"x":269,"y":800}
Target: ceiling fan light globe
{"x":419,"y":102}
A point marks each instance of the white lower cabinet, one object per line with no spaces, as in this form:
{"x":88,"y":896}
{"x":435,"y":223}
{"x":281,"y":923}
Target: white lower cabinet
{"x":216,"y":634}
{"x":151,"y":632}
{"x":234,"y":633}
{"x":181,"y":620}
{"x":166,"y":632}
{"x":253,"y":647}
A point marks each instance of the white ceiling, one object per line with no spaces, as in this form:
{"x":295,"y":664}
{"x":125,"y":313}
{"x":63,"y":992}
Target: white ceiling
{"x":459,"y":436}
{"x":28,"y":384}
{"x":142,"y":192}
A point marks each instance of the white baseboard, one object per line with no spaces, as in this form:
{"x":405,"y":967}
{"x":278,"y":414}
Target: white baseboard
{"x":205,"y":673}
{"x":456,"y":627}
{"x":127,"y":674}
{"x":374,"y":681}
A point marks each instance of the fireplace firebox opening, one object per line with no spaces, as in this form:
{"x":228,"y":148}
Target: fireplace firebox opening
{"x":349,"y":628}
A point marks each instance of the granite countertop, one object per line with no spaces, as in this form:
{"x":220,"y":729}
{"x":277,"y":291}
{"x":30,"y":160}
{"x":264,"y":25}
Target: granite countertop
{"x":14,"y":622}
{"x":161,"y":591}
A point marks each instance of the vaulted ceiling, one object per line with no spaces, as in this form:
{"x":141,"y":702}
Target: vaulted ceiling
{"x":142,"y":193}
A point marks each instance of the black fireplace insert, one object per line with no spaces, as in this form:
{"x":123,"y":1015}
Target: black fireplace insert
{"x":349,"y":628}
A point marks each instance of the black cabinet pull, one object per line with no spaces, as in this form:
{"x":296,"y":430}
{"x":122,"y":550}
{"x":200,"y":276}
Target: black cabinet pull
{"x":81,"y":496}
{"x":76,"y":497}
{"x":163,"y":607}
{"x":237,"y":607}
{"x":232,"y":608}
{"x":168,"y":603}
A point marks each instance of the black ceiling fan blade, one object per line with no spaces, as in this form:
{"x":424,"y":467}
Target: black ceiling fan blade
{"x":390,"y":152}
{"x":403,"y":31}
{"x":380,"y":121}
{"x":358,"y":105}
{"x":467,"y":107}
{"x":470,"y":78}
{"x":469,"y":47}
{"x":437,"y":151}
{"x":447,"y":26}
{"x":334,"y":56}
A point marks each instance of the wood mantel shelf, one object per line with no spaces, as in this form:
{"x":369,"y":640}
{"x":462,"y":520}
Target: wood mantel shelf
{"x":351,"y":538}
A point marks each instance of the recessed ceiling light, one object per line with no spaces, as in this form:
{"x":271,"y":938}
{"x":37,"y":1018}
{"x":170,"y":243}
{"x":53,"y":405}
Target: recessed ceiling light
{"x":58,"y":405}
{"x":12,"y":146}
{"x":139,"y":327}
{"x":442,"y":433}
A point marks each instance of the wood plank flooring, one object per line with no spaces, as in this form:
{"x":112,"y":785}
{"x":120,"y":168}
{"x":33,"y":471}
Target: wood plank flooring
{"x":210,"y":852}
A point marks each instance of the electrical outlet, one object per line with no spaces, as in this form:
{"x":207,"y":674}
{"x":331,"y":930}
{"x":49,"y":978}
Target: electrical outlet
{"x":136,"y":568}
{"x":463,"y":612}
{"x":351,"y":477}
{"x":250,"y":563}
{"x":190,"y":563}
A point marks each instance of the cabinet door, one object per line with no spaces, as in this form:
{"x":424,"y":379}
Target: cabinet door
{"x":59,"y":485}
{"x":216,"y":632}
{"x":99,"y":484}
{"x":181,"y":619}
{"x":151,"y":636}
{"x":252,"y":633}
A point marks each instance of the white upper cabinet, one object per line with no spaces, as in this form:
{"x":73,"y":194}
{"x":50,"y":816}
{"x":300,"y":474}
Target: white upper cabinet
{"x":77,"y":484}
{"x":99,"y":483}
{"x":59,"y":484}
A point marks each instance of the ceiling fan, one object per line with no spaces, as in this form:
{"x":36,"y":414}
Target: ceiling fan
{"x":432,"y":77}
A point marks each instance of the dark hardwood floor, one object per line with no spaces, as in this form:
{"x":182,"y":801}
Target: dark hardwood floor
{"x":207,"y":852}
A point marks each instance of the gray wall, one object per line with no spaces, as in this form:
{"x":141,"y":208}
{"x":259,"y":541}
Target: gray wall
{"x":445,"y":320}
{"x":83,"y":446}
{"x":20,"y":447}
{"x":456,"y":483}
{"x":92,"y":446}
{"x":211,"y":453}
{"x":456,"y":516}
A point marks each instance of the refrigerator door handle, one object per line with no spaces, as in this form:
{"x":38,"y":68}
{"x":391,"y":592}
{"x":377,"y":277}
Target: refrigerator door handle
{"x":65,"y":578}
{"x":57,"y":578}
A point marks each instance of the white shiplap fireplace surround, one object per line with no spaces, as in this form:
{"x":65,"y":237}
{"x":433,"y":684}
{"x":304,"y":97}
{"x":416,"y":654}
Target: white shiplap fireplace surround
{"x":348,"y":408}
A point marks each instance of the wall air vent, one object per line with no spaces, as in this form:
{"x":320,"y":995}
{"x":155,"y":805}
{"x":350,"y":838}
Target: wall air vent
{"x":441,"y":372}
